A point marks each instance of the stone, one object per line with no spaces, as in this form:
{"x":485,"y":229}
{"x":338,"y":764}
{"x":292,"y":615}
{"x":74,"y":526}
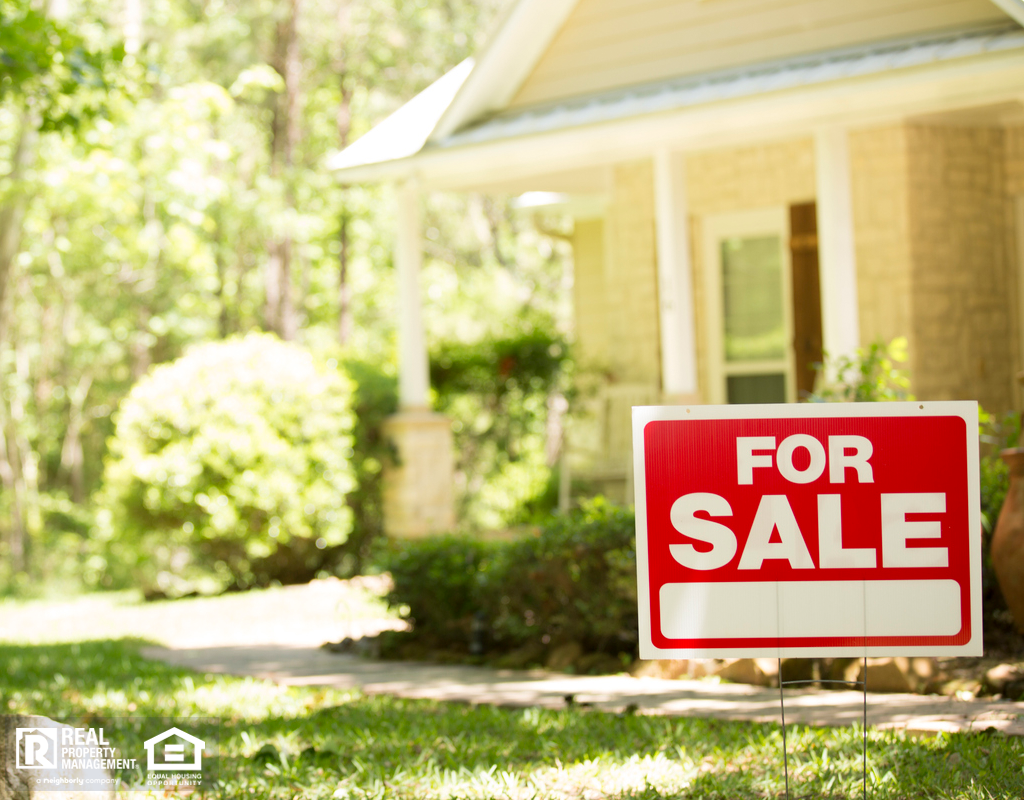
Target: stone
{"x":963,"y":688}
{"x":664,"y":668}
{"x":23,"y":784}
{"x":899,"y":674}
{"x":563,"y":656}
{"x":744,"y":670}
{"x":1005,"y":679}
{"x":418,"y":495}
{"x":796,"y":669}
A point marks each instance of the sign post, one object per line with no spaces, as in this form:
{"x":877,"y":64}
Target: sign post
{"x":808,"y":530}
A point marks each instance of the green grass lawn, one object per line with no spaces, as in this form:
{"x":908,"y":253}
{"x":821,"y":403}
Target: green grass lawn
{"x":314,"y":743}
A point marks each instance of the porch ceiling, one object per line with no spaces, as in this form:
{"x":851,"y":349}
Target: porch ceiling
{"x":556,"y":147}
{"x":761,"y":79}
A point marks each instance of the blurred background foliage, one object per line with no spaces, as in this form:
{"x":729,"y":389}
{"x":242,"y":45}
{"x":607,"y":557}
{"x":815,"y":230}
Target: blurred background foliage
{"x":163,"y":187}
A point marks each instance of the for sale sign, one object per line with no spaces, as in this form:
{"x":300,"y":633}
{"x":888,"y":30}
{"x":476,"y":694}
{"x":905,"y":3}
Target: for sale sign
{"x":808,"y":530}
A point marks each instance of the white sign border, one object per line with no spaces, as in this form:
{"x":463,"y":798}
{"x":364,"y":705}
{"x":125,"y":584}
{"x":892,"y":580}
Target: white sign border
{"x":967,"y":410}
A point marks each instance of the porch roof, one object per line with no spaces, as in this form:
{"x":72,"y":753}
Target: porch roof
{"x":395,"y":147}
{"x":790,"y":73}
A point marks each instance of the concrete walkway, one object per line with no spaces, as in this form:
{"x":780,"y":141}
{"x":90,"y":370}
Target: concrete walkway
{"x":312,"y":666}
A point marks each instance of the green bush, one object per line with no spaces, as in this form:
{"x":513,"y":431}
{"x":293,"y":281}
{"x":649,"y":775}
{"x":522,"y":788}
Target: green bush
{"x":574,"y":581}
{"x":230,"y":466}
{"x":496,"y":391}
{"x":870,"y":375}
{"x":375,"y":399}
{"x":436,"y":582}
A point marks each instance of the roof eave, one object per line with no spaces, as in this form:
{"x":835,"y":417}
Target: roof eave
{"x":852,"y":102}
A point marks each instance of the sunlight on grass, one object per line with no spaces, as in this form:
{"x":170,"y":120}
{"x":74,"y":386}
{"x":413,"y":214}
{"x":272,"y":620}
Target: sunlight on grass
{"x":309,"y":614}
{"x":307,"y":743}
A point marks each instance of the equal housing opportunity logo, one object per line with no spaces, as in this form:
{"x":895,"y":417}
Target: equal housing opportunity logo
{"x":125,"y":754}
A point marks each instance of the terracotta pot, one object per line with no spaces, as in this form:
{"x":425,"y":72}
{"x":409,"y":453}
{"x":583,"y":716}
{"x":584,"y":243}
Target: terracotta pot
{"x":1008,"y":539}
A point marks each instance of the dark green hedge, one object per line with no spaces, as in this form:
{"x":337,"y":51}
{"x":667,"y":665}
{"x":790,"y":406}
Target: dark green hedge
{"x":573,"y":581}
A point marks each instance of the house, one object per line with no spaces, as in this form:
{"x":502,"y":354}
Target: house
{"x":753,"y":182}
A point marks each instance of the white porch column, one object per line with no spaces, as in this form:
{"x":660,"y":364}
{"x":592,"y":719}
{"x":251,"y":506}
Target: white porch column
{"x":836,"y":255}
{"x":419,"y":487}
{"x":675,"y":279}
{"x":413,"y":367}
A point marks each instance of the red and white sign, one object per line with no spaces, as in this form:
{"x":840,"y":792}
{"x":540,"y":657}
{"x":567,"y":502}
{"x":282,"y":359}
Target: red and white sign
{"x":808,"y":530}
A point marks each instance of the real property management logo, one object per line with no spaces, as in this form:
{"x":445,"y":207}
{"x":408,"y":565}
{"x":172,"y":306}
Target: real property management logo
{"x":67,"y":748}
{"x":59,"y":757}
{"x":37,"y":748}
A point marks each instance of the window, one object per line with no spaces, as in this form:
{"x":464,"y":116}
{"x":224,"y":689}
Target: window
{"x":749,"y":307}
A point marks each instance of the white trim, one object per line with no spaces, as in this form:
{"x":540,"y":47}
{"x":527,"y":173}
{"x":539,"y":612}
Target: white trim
{"x":675,"y":276}
{"x":1013,"y":8}
{"x":506,"y":62}
{"x":404,"y":132}
{"x":836,"y":254}
{"x":762,"y":221}
{"x":861,"y":102}
{"x":413,"y":366}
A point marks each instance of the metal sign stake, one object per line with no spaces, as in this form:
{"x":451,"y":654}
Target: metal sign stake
{"x":863,"y":684}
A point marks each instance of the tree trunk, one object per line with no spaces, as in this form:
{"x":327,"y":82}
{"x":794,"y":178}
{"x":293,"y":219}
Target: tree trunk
{"x":280,"y":311}
{"x":13,"y":213}
{"x":344,"y":122}
{"x":72,"y":459}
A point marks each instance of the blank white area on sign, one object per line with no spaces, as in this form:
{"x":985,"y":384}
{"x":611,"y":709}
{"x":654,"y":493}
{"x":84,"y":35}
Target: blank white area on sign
{"x":810,"y":608}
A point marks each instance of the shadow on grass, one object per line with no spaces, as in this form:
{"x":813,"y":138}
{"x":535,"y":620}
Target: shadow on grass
{"x":311,"y":742}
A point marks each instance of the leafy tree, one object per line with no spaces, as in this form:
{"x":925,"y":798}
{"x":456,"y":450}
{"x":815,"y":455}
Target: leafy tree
{"x":232,"y":462}
{"x":157,"y":156}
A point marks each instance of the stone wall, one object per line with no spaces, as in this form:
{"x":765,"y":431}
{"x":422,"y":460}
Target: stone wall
{"x":881,"y":222}
{"x":617,"y":327}
{"x":935,"y":242}
{"x":634,"y":348}
{"x":963,"y":338}
{"x":590,"y":292}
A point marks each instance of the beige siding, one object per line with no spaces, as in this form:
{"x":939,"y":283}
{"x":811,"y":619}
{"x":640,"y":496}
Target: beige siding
{"x":1014,"y":152}
{"x":631,"y":275}
{"x":612,"y":43}
{"x":962,"y":281}
{"x":589,"y":292}
{"x":881,"y":220}
{"x":722,"y":181}
{"x":1014,"y":161}
{"x":933,"y":263}
{"x":617,"y":327}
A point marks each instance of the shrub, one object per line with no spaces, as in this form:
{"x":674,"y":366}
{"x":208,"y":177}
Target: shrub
{"x":496,"y":391}
{"x":574,"y":581}
{"x":374,"y":400}
{"x":231,"y":465}
{"x":869,"y":375}
{"x":437,"y":579}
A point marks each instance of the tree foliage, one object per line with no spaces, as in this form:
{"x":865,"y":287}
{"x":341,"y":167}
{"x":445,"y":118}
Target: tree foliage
{"x":148,"y":205}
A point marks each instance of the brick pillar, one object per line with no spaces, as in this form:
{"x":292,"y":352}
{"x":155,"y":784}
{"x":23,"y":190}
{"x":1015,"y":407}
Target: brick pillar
{"x":418,"y":491}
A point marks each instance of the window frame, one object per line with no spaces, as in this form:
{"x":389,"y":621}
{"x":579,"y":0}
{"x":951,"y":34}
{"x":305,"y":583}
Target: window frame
{"x":773,"y":221}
